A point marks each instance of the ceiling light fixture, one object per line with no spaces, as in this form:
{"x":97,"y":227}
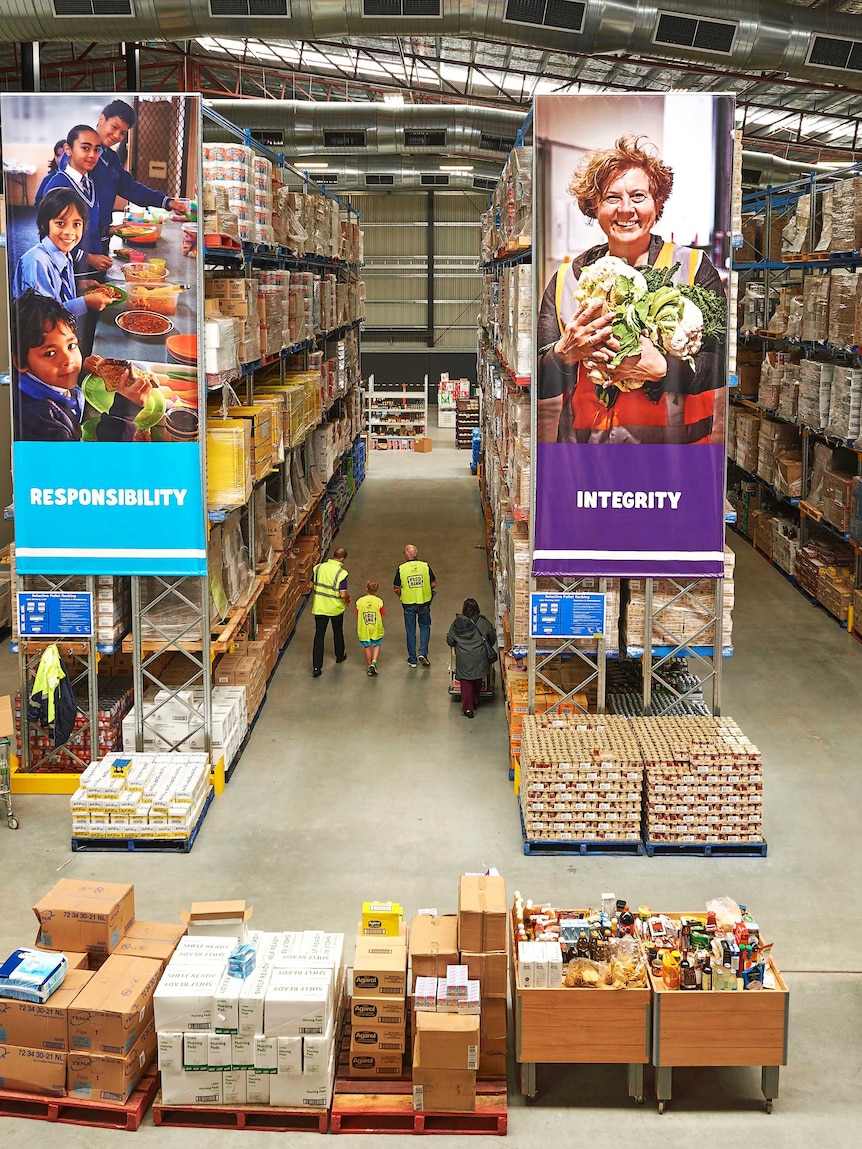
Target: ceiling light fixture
{"x":456,"y":167}
{"x":394,"y":98}
{"x":311,"y":166}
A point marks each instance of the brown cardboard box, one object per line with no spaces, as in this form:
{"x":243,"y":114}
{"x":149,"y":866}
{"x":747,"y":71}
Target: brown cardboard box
{"x":373,"y":1064}
{"x":41,"y":1026}
{"x":7,"y":720}
{"x":85,"y":916}
{"x":482,"y":913}
{"x":446,"y":1041}
{"x":75,"y":960}
{"x":421,"y":444}
{"x":491,"y":970}
{"x":41,"y":1071}
{"x":433,"y":945}
{"x":372,"y":1011}
{"x":492,"y":1064}
{"x":492,"y":1025}
{"x":156,"y":940}
{"x":101,"y":1077}
{"x":444,"y":1090}
{"x":380,"y":967}
{"x":115,"y":1006}
{"x":378,"y":1039}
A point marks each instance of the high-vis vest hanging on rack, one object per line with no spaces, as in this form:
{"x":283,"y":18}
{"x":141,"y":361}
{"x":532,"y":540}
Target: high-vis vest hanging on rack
{"x":369,"y":621}
{"x":415,"y":582}
{"x":328,"y":577}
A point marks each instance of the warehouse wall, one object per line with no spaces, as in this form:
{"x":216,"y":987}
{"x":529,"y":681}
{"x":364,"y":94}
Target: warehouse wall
{"x":390,"y":368}
{"x":398,"y":237}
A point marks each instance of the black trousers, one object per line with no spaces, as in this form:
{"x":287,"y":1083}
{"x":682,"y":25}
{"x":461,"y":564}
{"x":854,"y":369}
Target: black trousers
{"x":320,"y":621}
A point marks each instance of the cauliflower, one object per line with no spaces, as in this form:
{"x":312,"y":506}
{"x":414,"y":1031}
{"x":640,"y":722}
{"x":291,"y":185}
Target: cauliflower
{"x":612,"y":278}
{"x":686,"y":339}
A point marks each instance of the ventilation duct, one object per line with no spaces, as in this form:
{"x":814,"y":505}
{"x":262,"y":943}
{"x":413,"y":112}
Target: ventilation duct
{"x":770,"y":36}
{"x":399,"y":173}
{"x":310,"y":129}
{"x":763,"y":168}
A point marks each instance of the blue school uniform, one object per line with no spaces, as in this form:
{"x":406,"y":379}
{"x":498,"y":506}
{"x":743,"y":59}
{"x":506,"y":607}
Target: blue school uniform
{"x":44,"y":413}
{"x":91,"y":243}
{"x":48,"y":271}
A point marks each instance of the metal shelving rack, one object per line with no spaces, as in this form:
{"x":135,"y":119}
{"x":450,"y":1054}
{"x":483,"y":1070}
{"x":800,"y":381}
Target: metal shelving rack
{"x":194,"y":642}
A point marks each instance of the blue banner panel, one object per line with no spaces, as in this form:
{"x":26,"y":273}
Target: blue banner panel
{"x":109,"y":508}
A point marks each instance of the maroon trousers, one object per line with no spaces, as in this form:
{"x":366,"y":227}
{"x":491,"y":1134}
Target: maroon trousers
{"x":470,"y":691}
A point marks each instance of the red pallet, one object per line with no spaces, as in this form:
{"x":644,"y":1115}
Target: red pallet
{"x":394,"y":1113}
{"x":270,"y":1118}
{"x":74,"y":1111}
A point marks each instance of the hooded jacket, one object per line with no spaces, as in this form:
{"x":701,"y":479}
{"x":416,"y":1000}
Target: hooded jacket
{"x":466,"y":638}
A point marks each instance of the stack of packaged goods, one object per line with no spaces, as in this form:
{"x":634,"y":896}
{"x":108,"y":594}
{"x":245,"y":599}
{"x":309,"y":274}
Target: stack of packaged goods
{"x":229,"y":477}
{"x":482,"y":948}
{"x":278,"y":606}
{"x":115,"y":702}
{"x":232,"y":297}
{"x":747,"y":431}
{"x":238,"y":671}
{"x":845,"y":401}
{"x":815,"y":308}
{"x":843,"y":303}
{"x":704,"y":781}
{"x":175,"y":721}
{"x":580,"y":780}
{"x":264,"y":648}
{"x":517,"y":332}
{"x":518,"y":582}
{"x":785,"y":544}
{"x":274,"y":286}
{"x":265,"y":434}
{"x":687,"y":617}
{"x":823,"y":561}
{"x":846,"y":216}
{"x":836,"y":499}
{"x":813,"y":377}
{"x":245,"y":1017}
{"x":378,"y":1008}
{"x":218,"y":218}
{"x":301,"y":306}
{"x":222,"y":339}
{"x":149,"y":795}
{"x":172,"y":612}
{"x":232,"y":166}
{"x":787,"y":472}
{"x":788,"y":399}
{"x":771,"y":375}
{"x":263,"y":200}
{"x":81,"y":1032}
{"x":773,"y":439}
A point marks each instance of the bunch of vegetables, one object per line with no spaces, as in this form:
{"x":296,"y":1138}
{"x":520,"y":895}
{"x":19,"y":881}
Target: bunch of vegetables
{"x":677,"y":318}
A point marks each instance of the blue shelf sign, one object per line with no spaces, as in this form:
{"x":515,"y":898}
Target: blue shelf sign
{"x":55,"y":614}
{"x":567,"y":615}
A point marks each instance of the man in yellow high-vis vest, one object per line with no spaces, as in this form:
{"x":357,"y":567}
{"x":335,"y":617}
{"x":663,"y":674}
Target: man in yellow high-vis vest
{"x":414,"y":584}
{"x":328,"y":599}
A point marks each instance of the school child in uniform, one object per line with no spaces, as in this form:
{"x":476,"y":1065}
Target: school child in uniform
{"x":82,"y":149}
{"x":369,"y":625}
{"x":47,"y":401}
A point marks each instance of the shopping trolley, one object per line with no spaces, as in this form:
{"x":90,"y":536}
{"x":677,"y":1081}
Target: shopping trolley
{"x":488,"y":683}
{"x":6,"y":783}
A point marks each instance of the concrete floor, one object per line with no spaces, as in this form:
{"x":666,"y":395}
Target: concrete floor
{"x":354,"y":788}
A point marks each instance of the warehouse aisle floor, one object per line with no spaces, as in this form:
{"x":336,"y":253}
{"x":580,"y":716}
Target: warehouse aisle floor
{"x":355,"y":788}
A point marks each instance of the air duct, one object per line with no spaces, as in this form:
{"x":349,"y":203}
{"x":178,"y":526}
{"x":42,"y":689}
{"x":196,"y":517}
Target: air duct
{"x":753,"y":35}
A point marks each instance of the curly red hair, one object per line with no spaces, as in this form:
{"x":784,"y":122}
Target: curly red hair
{"x":601,"y":167}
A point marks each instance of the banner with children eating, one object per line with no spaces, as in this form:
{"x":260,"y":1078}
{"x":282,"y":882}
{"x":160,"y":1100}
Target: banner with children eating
{"x":104,"y":324}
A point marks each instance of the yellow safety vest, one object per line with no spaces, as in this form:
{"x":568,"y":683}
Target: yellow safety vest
{"x":369,"y":621}
{"x":415,"y":582}
{"x":327,"y":578}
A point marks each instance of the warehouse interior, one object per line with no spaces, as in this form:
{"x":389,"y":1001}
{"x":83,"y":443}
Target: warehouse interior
{"x":353,"y":788}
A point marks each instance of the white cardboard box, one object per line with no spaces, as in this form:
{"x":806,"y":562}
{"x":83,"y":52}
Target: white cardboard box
{"x":251,"y":1000}
{"x":289,"y":1055}
{"x":184,"y":998}
{"x":170,"y":1052}
{"x":294,"y":1008}
{"x":179,"y":1088}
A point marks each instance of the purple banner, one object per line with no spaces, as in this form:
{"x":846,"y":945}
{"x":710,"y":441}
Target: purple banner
{"x":629,"y":511}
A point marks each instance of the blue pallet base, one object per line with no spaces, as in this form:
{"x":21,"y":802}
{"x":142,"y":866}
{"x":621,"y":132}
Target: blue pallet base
{"x":144,"y":845}
{"x":706,"y":849}
{"x":541,"y":847}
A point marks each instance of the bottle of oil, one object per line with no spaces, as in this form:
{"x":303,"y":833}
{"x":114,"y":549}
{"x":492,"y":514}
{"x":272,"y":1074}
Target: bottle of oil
{"x":670,"y":968}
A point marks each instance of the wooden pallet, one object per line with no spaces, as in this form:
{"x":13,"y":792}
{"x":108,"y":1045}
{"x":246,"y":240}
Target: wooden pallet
{"x":394,"y":1113}
{"x":706,"y":849}
{"x":267,"y":1117}
{"x":74,"y":1111}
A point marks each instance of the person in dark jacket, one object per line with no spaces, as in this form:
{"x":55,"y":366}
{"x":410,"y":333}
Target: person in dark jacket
{"x":467,"y":636}
{"x":47,"y":401}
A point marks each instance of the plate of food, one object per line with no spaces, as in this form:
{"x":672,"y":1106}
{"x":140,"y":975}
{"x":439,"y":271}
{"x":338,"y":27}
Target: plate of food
{"x":134,"y":381}
{"x":117,"y":294}
{"x":144,"y":233}
{"x":146,"y":324}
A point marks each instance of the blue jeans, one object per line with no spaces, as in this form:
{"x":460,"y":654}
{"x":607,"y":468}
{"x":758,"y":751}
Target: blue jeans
{"x":417,"y":612}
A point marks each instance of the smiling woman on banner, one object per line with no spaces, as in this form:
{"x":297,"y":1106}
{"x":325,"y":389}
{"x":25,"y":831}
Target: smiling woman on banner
{"x":629,"y":331}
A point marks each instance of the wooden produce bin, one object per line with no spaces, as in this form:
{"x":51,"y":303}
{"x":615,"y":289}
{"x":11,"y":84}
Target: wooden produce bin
{"x":580,"y":1026}
{"x":721,"y":1028}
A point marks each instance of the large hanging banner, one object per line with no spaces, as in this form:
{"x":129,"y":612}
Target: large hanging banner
{"x":633,"y":198}
{"x":104,"y":284}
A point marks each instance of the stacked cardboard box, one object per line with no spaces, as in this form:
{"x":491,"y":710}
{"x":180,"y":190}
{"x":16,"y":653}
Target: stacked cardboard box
{"x":845,"y":401}
{"x":788,"y":399}
{"x":815,"y":388}
{"x":241,"y":671}
{"x":687,"y":618}
{"x":378,"y":1016}
{"x":747,"y":432}
{"x":230,"y":297}
{"x":821,"y":554}
{"x":445,"y":1059}
{"x":846,"y":216}
{"x":774,"y":438}
{"x":94,"y":1037}
{"x":581,"y":779}
{"x":837,"y":498}
{"x":229,"y":462}
{"x":704,"y":780}
{"x":482,"y":948}
{"x":146,"y":795}
{"x":218,"y":219}
{"x":785,"y":544}
{"x":232,"y":167}
{"x":267,"y":1038}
